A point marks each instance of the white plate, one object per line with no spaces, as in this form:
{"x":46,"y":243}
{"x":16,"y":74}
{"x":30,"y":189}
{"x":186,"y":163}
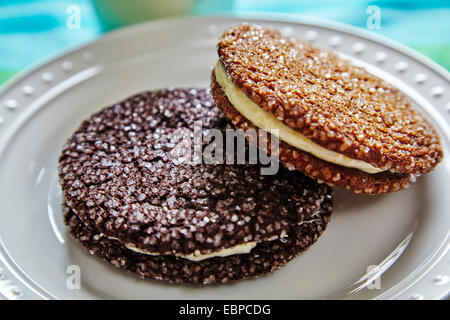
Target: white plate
{"x":404,"y":234}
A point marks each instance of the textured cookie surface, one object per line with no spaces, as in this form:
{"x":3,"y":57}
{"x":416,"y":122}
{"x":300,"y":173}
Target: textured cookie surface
{"x":333,"y":103}
{"x":266,"y":257}
{"x":121,"y":174}
{"x":333,"y":175}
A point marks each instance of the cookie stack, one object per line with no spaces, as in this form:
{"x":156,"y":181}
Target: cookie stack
{"x":134,"y":196}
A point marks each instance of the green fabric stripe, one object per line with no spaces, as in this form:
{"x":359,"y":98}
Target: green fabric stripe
{"x":6,"y":74}
{"x":440,"y":54}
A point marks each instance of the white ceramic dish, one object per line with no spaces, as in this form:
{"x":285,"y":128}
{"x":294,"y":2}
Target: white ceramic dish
{"x":404,"y":235}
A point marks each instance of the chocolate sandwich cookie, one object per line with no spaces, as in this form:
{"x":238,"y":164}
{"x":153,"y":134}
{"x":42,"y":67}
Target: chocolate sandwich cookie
{"x":126,"y":174}
{"x":336,"y":122}
{"x":265,"y":257}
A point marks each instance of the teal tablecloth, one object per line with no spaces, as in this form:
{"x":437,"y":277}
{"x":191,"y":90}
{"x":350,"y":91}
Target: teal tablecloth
{"x":32,"y":30}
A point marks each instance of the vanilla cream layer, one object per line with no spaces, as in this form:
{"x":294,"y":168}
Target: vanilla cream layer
{"x":265,"y":120}
{"x":197,"y":256}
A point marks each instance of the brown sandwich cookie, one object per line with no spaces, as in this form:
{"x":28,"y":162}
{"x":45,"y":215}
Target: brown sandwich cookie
{"x":124,"y":178}
{"x":337,"y":123}
{"x":293,"y":158}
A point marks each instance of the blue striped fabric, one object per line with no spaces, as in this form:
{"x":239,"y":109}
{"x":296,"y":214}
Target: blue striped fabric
{"x":31,"y":30}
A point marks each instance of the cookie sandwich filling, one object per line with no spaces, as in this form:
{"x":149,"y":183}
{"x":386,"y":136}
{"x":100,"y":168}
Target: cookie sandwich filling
{"x":242,"y":248}
{"x":267,"y":121}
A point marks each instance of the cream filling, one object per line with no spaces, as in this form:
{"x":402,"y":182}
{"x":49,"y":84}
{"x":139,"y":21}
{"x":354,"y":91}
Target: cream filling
{"x":197,"y":256}
{"x":265,"y":120}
